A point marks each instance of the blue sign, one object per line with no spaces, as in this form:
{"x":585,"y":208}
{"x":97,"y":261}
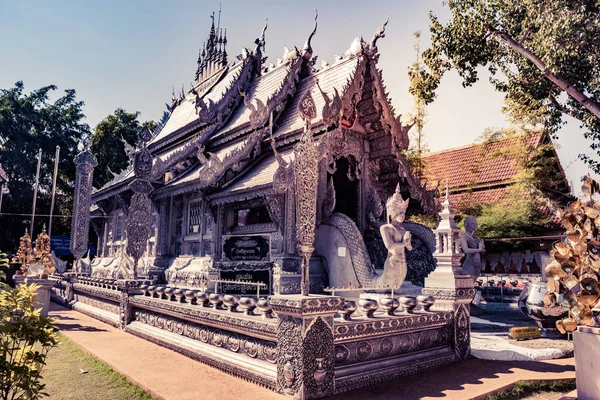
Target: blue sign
{"x":61,"y":245}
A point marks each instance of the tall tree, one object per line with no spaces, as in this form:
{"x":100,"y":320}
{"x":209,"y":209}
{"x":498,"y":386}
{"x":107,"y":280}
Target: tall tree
{"x":109,"y":143}
{"x":29,"y":122}
{"x":544,"y":54}
{"x":418,"y":145}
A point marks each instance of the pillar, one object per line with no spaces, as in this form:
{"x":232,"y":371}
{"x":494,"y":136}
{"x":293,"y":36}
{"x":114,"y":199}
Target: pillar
{"x":305,"y":361}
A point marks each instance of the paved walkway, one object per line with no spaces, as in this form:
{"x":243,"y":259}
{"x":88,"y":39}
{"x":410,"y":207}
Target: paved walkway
{"x":167,"y":375}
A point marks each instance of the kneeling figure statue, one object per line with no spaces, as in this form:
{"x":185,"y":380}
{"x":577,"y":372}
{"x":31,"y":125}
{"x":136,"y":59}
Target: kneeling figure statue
{"x":396,"y":239}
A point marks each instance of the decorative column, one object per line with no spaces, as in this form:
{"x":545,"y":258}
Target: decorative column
{"x":85,"y":162}
{"x":306,"y":167}
{"x":305,"y":348}
{"x":448,"y":283}
{"x":128,"y":288}
{"x":139,"y":218}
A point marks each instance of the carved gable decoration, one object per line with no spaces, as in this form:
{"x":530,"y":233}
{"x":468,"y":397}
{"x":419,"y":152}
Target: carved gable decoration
{"x":306,"y":107}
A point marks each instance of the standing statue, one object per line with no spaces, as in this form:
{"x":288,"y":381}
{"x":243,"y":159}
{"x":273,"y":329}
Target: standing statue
{"x":472,"y":247}
{"x":396,"y":239}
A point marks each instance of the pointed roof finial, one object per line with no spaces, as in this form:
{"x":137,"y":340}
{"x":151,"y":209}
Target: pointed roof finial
{"x":260,"y":41}
{"x":307,"y":51}
{"x":380,"y":33}
{"x":219,"y":20}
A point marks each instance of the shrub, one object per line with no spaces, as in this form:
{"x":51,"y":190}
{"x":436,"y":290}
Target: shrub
{"x":25,"y":339}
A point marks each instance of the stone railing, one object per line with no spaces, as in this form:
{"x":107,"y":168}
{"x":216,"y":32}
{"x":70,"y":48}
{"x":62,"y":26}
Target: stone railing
{"x":386,"y":344}
{"x":303,"y":346}
{"x":235,"y":334}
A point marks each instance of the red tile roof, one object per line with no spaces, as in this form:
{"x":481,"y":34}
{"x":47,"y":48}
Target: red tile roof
{"x":471,"y":166}
{"x":464,"y":200}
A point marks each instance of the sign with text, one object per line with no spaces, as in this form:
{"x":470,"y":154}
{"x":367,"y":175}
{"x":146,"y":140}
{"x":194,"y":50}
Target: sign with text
{"x":524,"y":333}
{"x":247,"y":248}
{"x":255,"y":276}
{"x":61,"y":245}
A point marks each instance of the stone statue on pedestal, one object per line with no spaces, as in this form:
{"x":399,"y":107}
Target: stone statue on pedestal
{"x":472,"y":247}
{"x":396,"y":239}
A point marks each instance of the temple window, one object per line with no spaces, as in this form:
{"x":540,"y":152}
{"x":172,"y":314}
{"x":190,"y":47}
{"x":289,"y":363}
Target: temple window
{"x":195,"y":218}
{"x":116,"y":224}
{"x":249,"y":217}
{"x":119,"y":227}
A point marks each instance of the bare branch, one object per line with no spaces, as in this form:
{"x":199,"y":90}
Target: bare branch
{"x":571,"y":90}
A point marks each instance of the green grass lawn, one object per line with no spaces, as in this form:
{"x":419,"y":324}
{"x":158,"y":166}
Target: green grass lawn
{"x":65,"y":382}
{"x":535,"y":390}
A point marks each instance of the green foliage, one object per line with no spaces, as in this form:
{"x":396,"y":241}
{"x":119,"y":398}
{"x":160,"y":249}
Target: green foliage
{"x":543,"y":54}
{"x":4,"y":263}
{"x":538,"y":187}
{"x":423,"y":219}
{"x":518,"y":216}
{"x":108,"y":146}
{"x":29,"y":122}
{"x":522,"y":389}
{"x":25,"y":339}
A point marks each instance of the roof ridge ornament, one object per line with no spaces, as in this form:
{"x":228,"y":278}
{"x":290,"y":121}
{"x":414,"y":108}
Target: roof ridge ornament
{"x":307,"y":50}
{"x":380,"y":33}
{"x":356,"y":47}
{"x":260,"y":41}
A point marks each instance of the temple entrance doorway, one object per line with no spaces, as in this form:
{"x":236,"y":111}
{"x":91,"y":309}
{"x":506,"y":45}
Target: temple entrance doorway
{"x":346,"y":188}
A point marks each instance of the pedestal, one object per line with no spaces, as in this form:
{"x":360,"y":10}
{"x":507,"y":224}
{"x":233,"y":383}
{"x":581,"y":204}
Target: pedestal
{"x":305,"y":361}
{"x":586,"y":341}
{"x":19,"y":280}
{"x":453,"y":290}
{"x":42,"y":295}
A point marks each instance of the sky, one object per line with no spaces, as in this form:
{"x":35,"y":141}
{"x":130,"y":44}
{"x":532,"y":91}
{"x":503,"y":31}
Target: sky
{"x":131,"y":54}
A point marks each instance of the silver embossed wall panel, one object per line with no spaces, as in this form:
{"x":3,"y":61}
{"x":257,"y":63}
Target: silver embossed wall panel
{"x":85,"y":162}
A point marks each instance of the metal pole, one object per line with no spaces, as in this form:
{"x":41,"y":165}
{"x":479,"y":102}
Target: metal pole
{"x":37,"y":181}
{"x":53,"y":190}
{"x":1,"y":195}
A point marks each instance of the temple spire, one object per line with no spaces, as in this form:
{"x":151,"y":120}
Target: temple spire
{"x":213,"y":56}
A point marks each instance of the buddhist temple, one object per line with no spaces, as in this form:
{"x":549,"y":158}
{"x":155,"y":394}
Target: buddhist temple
{"x":224,"y":173}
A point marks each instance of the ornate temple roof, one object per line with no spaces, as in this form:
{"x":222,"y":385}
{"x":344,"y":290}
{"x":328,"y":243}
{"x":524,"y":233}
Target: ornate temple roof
{"x":216,"y":134}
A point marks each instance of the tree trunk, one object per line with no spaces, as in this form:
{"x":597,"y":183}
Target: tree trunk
{"x":579,"y":96}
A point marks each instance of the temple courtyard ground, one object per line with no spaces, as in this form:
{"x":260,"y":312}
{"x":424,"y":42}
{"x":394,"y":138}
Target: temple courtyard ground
{"x":165,"y":374}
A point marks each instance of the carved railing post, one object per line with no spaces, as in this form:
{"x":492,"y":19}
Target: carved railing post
{"x":305,"y":348}
{"x":306,"y":167}
{"x":128,"y":288}
{"x":139,"y":218}
{"x":85,"y":162}
{"x":449,"y":284}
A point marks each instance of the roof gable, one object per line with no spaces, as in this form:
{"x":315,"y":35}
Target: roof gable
{"x":476,"y":165}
